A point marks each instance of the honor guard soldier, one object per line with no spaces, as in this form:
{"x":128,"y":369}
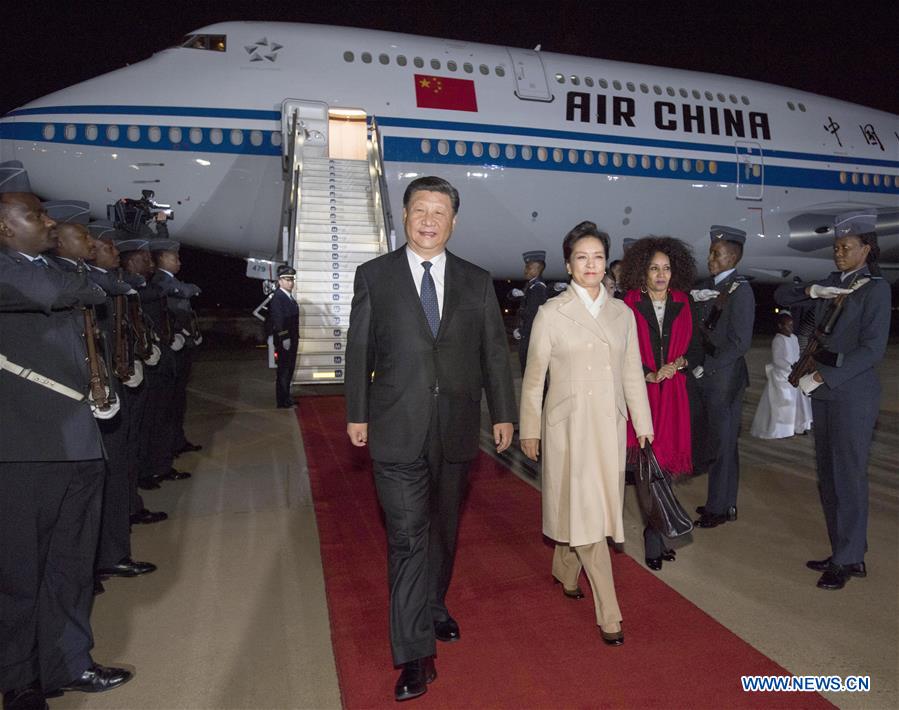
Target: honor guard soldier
{"x":535,"y":294}
{"x":726,"y":308}
{"x":838,"y":369}
{"x":187,"y":336}
{"x":284,"y":321}
{"x":51,"y":467}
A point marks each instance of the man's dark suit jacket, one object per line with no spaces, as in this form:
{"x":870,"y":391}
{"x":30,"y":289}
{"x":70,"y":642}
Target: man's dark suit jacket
{"x":40,"y":331}
{"x":284,"y":319}
{"x":395,"y":366}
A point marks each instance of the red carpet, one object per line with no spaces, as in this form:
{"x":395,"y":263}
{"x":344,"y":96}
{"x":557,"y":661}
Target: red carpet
{"x":523,"y":644}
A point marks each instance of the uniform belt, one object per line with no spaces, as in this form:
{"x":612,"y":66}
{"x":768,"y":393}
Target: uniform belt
{"x":39,"y":379}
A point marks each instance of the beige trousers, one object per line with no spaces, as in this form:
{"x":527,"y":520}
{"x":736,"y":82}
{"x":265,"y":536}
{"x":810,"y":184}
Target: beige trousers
{"x":594,"y":558}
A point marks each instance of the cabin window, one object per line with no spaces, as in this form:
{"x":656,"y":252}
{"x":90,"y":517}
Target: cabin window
{"x":484,"y":69}
{"x":644,"y":88}
{"x":687,"y":165}
{"x":435,"y":64}
{"x":844,"y":178}
{"x":366,"y":57}
{"x":236,"y":136}
{"x":745,"y":100}
{"x":603,"y":158}
{"x":657,"y":90}
{"x":669,"y":90}
{"x":588,"y":80}
{"x":493,"y":150}
{"x":527,"y":152}
{"x":888,"y":181}
{"x":733,"y":99}
{"x":443,"y":147}
{"x":195,"y":135}
{"x":425,"y":146}
{"x":801,"y":107}
{"x":572,"y":156}
{"x":708,"y":96}
{"x":855,"y":178}
{"x":560,"y":78}
{"x":616,"y":85}
{"x":215,"y":43}
{"x":401,"y":60}
{"x":588,"y":157}
{"x":696,"y":94}
{"x":70,"y":132}
{"x":134,"y":133}
{"x":683,"y":92}
{"x":511,"y":152}
{"x":603,"y":84}
{"x":348,"y":56}
{"x":461,"y":148}
{"x":700,"y":166}
{"x":275,"y":138}
{"x":644,"y":162}
{"x":174,"y":134}
{"x":500,"y":70}
{"x":616,"y":160}
{"x":660,"y":163}
{"x":876,"y":180}
{"x":791,"y":106}
{"x":477,"y":149}
{"x":154,"y":133}
{"x":91,"y":132}
{"x":418,"y":62}
{"x":865,"y":178}
{"x":575,"y":80}
{"x":384,"y":59}
{"x":216,"y":136}
{"x":112,"y":133}
{"x":48,"y":132}
{"x":632,"y":161}
{"x":721,"y":97}
{"x":467,"y":68}
{"x":452,"y":66}
{"x":557,"y":155}
{"x":672,"y":164}
{"x":542,"y":154}
{"x":631,"y":87}
{"x":713,"y":167}
{"x":256,"y":138}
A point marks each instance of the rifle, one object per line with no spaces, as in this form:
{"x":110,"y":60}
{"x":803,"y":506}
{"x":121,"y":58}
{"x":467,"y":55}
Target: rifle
{"x":124,"y":352}
{"x":807,"y":362}
{"x":100,"y":394}
{"x":142,"y":343}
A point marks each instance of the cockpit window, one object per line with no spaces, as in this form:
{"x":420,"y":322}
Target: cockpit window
{"x":214,"y":43}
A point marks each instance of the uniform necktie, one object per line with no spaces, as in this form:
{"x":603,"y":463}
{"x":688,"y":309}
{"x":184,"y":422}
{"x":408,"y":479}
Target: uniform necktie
{"x":40,"y":262}
{"x":429,"y":298}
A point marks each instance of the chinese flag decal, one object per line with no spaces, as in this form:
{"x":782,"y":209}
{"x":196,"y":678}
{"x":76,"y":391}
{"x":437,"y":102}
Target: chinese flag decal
{"x":444,"y":92}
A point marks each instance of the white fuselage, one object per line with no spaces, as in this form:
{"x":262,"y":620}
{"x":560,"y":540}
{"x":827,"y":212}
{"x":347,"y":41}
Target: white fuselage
{"x":554,"y":140}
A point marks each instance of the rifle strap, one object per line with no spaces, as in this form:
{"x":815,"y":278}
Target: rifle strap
{"x":39,"y":379}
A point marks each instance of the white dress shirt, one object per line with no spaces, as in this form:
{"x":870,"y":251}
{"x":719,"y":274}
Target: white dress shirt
{"x":287,"y":293}
{"x":438,"y":273}
{"x":723,"y":275}
{"x":593,"y":307}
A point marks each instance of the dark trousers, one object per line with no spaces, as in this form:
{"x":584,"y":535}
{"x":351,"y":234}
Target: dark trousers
{"x":184,"y":359}
{"x":157,"y":429}
{"x":287,"y":362}
{"x":115,"y":527}
{"x":421,"y":502}
{"x":723,"y":408}
{"x":49,"y":519}
{"x":843,"y":432}
{"x":135,"y":408}
{"x":653,"y":542}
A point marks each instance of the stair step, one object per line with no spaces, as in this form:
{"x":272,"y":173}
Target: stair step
{"x":350,"y":247}
{"x":322,"y":332}
{"x":317,"y":375}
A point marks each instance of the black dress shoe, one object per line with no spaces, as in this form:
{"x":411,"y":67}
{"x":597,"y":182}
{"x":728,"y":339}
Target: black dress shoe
{"x":615,"y":638}
{"x":654,"y":563}
{"x":730,"y":513}
{"x":29,"y":697}
{"x":146,"y":517}
{"x":126,"y":567}
{"x":710,"y":520}
{"x":98,"y":679}
{"x":835,"y":577}
{"x":855,"y":570}
{"x":447,"y":631}
{"x":175,"y":475}
{"x":188,"y":447}
{"x":669,"y":555}
{"x":414,"y":679}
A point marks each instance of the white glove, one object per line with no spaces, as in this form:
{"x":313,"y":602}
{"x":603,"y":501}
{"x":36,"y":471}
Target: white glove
{"x":818,"y":291}
{"x":185,"y":332}
{"x":137,"y":377}
{"x":516,"y":334}
{"x":109,"y":413}
{"x":198,"y":340}
{"x":808,"y":383}
{"x":155,"y":354}
{"x":177,"y":342}
{"x":516,"y":293}
{"x":703,"y":294}
{"x":698,"y":371}
{"x":559,"y":286}
{"x":131,"y":292}
{"x":285,"y":344}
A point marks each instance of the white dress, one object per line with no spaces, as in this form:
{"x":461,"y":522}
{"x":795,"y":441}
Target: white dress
{"x":783,"y":409}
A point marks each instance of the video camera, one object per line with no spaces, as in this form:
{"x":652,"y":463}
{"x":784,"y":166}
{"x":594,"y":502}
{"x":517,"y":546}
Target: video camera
{"x":130,"y":214}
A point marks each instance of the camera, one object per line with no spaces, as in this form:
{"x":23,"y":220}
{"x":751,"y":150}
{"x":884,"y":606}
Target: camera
{"x":131,"y":214}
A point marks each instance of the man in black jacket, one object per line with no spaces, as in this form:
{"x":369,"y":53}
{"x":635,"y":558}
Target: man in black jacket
{"x":284,"y":321}
{"x":426,"y":337}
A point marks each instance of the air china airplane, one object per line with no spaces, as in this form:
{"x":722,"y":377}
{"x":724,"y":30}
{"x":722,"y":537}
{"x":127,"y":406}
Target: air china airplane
{"x":535,"y":142}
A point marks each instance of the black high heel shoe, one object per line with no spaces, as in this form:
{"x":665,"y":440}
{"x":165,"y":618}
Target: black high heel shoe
{"x":655,"y":563}
{"x":576,"y":593}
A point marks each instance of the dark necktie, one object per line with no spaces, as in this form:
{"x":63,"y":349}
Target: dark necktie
{"x":40,"y":262}
{"x":429,"y":298}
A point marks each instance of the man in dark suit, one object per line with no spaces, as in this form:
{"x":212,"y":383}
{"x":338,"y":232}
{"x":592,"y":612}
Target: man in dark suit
{"x":845,"y":388}
{"x":51,"y":469}
{"x":726,"y":312}
{"x":284,"y":322}
{"x":426,"y":336}
{"x":535,"y":294}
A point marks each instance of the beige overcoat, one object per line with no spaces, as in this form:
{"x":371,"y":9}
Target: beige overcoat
{"x":595,"y":379}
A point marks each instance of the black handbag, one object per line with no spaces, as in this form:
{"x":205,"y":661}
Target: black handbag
{"x":661,"y":509}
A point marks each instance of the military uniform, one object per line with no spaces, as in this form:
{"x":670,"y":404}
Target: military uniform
{"x":723,"y":381}
{"x":536,"y":293}
{"x":845,"y":406}
{"x":284,"y":322}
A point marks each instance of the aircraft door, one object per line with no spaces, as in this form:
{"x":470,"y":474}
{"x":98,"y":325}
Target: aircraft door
{"x":750,"y":171}
{"x":313,"y":121}
{"x":530,"y":77}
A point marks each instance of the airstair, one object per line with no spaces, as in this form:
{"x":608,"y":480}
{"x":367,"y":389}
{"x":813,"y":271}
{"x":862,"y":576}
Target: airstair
{"x":336,"y":217}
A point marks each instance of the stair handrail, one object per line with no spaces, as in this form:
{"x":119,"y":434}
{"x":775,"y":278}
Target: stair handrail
{"x":292,"y":189}
{"x":379,"y":185}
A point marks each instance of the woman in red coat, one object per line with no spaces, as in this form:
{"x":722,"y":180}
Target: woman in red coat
{"x":656,"y":274}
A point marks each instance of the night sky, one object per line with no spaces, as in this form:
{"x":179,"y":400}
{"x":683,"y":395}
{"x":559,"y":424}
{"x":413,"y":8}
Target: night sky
{"x":846,"y":50}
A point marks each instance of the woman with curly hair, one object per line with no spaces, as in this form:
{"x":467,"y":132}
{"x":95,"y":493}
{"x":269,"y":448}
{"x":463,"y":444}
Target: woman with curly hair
{"x":656,"y":274}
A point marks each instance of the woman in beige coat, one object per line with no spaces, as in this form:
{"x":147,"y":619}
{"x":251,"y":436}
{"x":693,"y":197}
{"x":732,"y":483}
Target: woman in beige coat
{"x":587,"y":342}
